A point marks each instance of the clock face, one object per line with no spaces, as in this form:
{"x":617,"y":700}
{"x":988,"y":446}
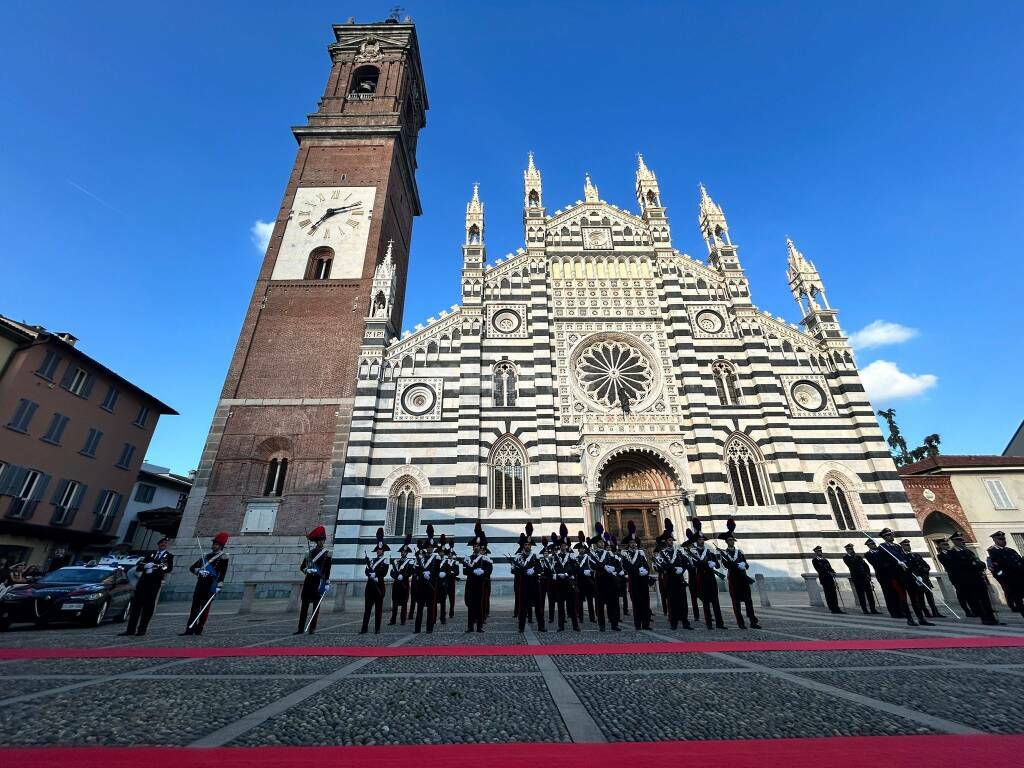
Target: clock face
{"x":326,"y":217}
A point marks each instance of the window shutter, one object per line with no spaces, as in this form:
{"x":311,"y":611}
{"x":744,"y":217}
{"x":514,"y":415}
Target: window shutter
{"x":59,"y":493}
{"x":5,"y":472}
{"x":29,"y":413}
{"x":99,"y":501}
{"x":19,"y":413}
{"x":13,"y":480}
{"x":79,"y":495}
{"x":69,"y":376}
{"x":87,"y":387}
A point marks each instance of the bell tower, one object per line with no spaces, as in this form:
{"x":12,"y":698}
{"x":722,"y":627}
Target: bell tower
{"x":345,"y":219}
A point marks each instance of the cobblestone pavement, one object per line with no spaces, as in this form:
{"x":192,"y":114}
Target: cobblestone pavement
{"x":311,"y":700}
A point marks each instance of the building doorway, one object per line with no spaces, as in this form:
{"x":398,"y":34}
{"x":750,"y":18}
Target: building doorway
{"x":639,"y":488}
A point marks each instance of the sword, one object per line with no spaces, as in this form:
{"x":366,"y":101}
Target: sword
{"x":917,"y":578}
{"x":203,"y":609}
{"x":317,"y":608}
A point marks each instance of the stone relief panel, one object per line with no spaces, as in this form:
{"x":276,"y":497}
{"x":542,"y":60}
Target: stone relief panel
{"x":507,"y":320}
{"x":418,"y":399}
{"x":710,"y":321}
{"x":808,"y":395}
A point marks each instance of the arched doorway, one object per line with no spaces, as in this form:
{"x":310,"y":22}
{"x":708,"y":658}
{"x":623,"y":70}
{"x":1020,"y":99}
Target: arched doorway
{"x":638,"y":487}
{"x":938,"y":525}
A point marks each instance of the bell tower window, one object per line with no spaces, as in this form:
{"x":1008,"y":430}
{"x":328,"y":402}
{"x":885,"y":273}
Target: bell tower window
{"x":364,"y":83}
{"x":319,"y":265}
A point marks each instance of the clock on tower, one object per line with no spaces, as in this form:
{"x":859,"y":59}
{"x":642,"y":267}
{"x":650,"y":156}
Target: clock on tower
{"x":273,"y":463}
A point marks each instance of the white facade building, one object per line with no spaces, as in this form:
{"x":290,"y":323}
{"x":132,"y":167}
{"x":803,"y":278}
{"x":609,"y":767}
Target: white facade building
{"x":599,"y":374}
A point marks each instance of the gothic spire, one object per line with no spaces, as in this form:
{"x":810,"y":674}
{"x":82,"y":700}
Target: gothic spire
{"x":647,"y":193}
{"x":713,"y":225}
{"x":532,"y":189}
{"x":475,"y":218}
{"x":804,"y":280}
{"x":590,"y":193}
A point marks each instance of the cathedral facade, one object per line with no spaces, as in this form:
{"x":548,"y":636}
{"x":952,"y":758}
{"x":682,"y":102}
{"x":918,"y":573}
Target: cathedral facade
{"x":598,"y":374}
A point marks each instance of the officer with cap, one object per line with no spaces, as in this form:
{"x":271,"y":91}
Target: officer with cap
{"x":402,"y":569}
{"x":151,"y":569}
{"x":376,"y":571}
{"x":827,"y":580}
{"x":1007,"y":566}
{"x":860,"y":579}
{"x":971,"y":573}
{"x":316,"y":570}
{"x":210,"y":571}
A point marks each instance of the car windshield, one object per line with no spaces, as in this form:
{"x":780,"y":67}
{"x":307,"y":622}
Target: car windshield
{"x":76,"y":576}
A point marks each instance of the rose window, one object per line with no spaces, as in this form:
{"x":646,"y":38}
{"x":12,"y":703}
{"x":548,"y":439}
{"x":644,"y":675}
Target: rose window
{"x":612,"y":372}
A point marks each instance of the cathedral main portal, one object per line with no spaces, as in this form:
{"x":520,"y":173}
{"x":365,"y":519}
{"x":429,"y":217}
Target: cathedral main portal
{"x":634,"y":487}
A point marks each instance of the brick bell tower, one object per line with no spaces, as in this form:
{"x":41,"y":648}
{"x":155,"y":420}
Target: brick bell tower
{"x":273,"y":462}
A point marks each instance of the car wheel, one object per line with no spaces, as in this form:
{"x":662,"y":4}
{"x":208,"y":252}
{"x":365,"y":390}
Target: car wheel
{"x":123,"y":616}
{"x":101,"y":613}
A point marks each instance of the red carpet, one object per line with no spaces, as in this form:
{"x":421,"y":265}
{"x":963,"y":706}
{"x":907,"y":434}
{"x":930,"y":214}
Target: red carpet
{"x":582,"y":649}
{"x":840,"y":752}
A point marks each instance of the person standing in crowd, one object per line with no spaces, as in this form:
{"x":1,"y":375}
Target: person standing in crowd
{"x":738,"y":577}
{"x":955,"y":576}
{"x":424,"y":588}
{"x":860,"y":579}
{"x":564,"y":570}
{"x":707,"y":574}
{"x":919,"y":567}
{"x":376,"y":571}
{"x":584,"y":578}
{"x":454,"y":571}
{"x":638,"y":569}
{"x":605,"y":567}
{"x":971,"y":573}
{"x":402,"y":569}
{"x":151,"y":569}
{"x":1007,"y":566}
{"x":674,"y":567}
{"x":529,"y":567}
{"x":827,"y":580}
{"x":210,"y":571}
{"x":904,"y":583}
{"x":478,"y":575}
{"x":316,"y":574}
{"x":884,"y":567}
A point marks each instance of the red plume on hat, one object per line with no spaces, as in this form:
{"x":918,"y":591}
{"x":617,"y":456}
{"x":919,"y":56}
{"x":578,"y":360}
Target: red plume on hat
{"x":430,"y":533}
{"x":221,"y":538}
{"x":529,"y":530}
{"x":318,"y":533}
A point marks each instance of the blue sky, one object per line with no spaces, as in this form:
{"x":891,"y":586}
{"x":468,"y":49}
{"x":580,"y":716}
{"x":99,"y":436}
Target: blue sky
{"x":140,"y":143}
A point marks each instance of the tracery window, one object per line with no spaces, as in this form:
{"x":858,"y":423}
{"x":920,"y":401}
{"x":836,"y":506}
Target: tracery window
{"x":726,"y":383}
{"x":403,"y":509}
{"x":505,"y":385}
{"x":747,"y":476}
{"x":508,"y":476}
{"x":840,"y":502}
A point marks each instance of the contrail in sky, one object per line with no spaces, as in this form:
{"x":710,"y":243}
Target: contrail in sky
{"x":98,"y":199}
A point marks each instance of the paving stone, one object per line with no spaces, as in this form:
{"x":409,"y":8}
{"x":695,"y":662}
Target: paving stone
{"x":724,"y":706}
{"x":975,"y":655}
{"x":94,"y":667}
{"x":620,"y":661}
{"x":989,"y":701}
{"x":425,"y":711}
{"x":797,"y":659}
{"x":447,"y":664}
{"x":12,"y":687}
{"x":260,"y":665}
{"x":128,"y":712}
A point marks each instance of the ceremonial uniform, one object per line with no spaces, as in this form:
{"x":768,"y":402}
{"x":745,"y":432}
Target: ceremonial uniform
{"x":827,"y":580}
{"x":210,"y":571}
{"x":674,"y":567}
{"x":424,"y":589}
{"x":739,"y":580}
{"x":904,"y":584}
{"x":968,"y":569}
{"x":1008,"y":568}
{"x":316,"y":570}
{"x":478,"y":577}
{"x":584,"y":581}
{"x":884,"y":567}
{"x":606,"y":569}
{"x":453,"y":570}
{"x":638,"y":569}
{"x":706,"y":568}
{"x":955,"y":576}
{"x":564,"y":570}
{"x":376,"y":571}
{"x":920,"y":568}
{"x":402,"y":570}
{"x":529,"y":567}
{"x":860,"y":580}
{"x":151,"y":569}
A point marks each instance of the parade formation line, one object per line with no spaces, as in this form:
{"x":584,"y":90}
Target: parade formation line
{"x":890,"y":751}
{"x":566,"y":649}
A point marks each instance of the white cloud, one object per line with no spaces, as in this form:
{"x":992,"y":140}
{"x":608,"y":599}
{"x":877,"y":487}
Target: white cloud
{"x":260,"y":233}
{"x":880,"y":333}
{"x":885,"y":381}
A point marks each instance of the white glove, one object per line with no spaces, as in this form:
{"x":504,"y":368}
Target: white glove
{"x":401,"y":577}
{"x":478,"y":571}
{"x":744,"y":566}
{"x":587,"y":572}
{"x":643,"y":571}
{"x":442,"y":575}
{"x":373,"y":577}
{"x":530,"y":571}
{"x":679,"y":570}
{"x":610,"y":568}
{"x":149,"y":567}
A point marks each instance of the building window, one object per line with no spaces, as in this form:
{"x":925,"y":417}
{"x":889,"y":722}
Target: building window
{"x":259,"y":518}
{"x":25,"y":487}
{"x":403,"y":509}
{"x":49,"y":365}
{"x":92,"y":442}
{"x":746,"y":474}
{"x":141,"y":416}
{"x":508,"y":476}
{"x":110,"y":400}
{"x":726,"y":382}
{"x":505,"y":385}
{"x":144,"y":493}
{"x":56,"y":429}
{"x":839,"y":502}
{"x":997,"y":492}
{"x":276,"y":471}
{"x":182,"y":501}
{"x":364,"y":83}
{"x":1018,"y":541}
{"x":78,"y":381}
{"x":66,"y":501}
{"x":22,"y":415}
{"x":107,"y":506}
{"x":319,"y":265}
{"x":127,"y":452}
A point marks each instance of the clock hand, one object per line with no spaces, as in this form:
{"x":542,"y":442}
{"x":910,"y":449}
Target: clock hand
{"x":332,"y":212}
